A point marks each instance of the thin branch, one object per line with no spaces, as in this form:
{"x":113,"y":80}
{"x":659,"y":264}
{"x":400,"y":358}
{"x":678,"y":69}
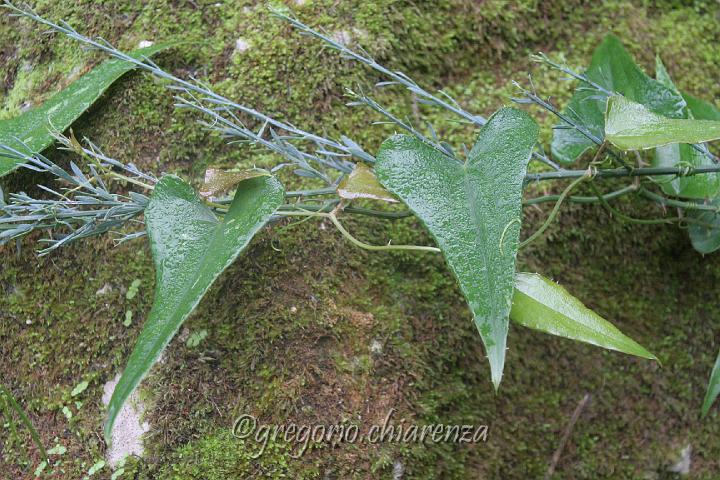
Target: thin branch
{"x":331,"y":216}
{"x":566,"y":436}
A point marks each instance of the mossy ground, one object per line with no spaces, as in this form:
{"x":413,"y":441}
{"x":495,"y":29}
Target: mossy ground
{"x":290,"y":325}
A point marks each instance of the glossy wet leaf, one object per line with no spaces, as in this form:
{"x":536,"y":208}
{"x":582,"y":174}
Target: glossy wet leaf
{"x":705,"y":237}
{"x":218,"y":181}
{"x":713,"y":389}
{"x":190,"y":248}
{"x":543,"y":305}
{"x":695,"y":186}
{"x":473,"y":210}
{"x":362,"y":183}
{"x":615,"y":71}
{"x":33,"y":127}
{"x":631,"y":126}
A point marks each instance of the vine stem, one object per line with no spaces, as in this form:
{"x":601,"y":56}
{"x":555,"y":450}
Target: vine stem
{"x":555,"y":210}
{"x":377,"y":248}
{"x":623,"y":172}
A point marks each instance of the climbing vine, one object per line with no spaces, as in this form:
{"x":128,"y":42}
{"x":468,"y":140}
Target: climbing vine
{"x":620,"y":123}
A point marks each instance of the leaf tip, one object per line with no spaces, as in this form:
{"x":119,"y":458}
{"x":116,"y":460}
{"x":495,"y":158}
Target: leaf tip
{"x":497,"y":365}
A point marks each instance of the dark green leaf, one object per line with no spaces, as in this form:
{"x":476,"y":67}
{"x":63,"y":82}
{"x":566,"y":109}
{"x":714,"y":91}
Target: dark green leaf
{"x":543,"y":305}
{"x":631,"y":126}
{"x":34,"y":127}
{"x":473,"y":211}
{"x":696,"y":186}
{"x":614,"y":70}
{"x":705,"y":237}
{"x":701,"y":109}
{"x":713,"y":387}
{"x":190,"y":248}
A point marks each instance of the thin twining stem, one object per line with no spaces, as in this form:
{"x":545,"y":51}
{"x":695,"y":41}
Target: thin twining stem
{"x":582,"y":199}
{"x":333,"y":218}
{"x":676,"y":203}
{"x":555,"y":210}
{"x":642,"y":221}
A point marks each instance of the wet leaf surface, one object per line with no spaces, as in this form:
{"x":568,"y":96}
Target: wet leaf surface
{"x":473,"y":210}
{"x":190,"y":248}
{"x":543,"y":305}
{"x":32,"y":129}
{"x":613,"y":69}
{"x":631,"y":126}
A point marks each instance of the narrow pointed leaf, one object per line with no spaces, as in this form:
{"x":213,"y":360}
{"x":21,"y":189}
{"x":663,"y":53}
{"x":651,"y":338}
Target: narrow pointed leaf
{"x":631,"y":126}
{"x":34,"y":127}
{"x":614,"y":70}
{"x":362,"y":183}
{"x":543,"y":305}
{"x":13,"y":404}
{"x":190,"y":248}
{"x":473,"y":210}
{"x":713,"y":388}
{"x":663,"y":76}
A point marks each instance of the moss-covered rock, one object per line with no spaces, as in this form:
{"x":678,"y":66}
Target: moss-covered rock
{"x":307,"y":329}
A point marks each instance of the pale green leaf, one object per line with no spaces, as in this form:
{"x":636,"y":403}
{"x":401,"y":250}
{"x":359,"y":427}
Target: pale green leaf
{"x":219,"y":181}
{"x":40,"y":468}
{"x":190,"y":248}
{"x":99,"y":465}
{"x":362,"y":183}
{"x":543,"y":305}
{"x":713,"y":387}
{"x":615,"y":71}
{"x":133,"y":289}
{"x":58,"y":449}
{"x":79,"y":388}
{"x":631,"y":126}
{"x":33,"y":128}
{"x":473,"y":210}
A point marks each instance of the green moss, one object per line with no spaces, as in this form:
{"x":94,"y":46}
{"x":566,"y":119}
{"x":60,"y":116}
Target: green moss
{"x":222,"y":456}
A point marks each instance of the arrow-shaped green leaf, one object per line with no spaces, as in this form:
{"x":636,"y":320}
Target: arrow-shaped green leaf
{"x":190,"y":248}
{"x":613,"y":69}
{"x":34,"y":127}
{"x":713,"y":387}
{"x":473,"y":211}
{"x":543,"y":305}
{"x":696,"y":186}
{"x":631,"y":126}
